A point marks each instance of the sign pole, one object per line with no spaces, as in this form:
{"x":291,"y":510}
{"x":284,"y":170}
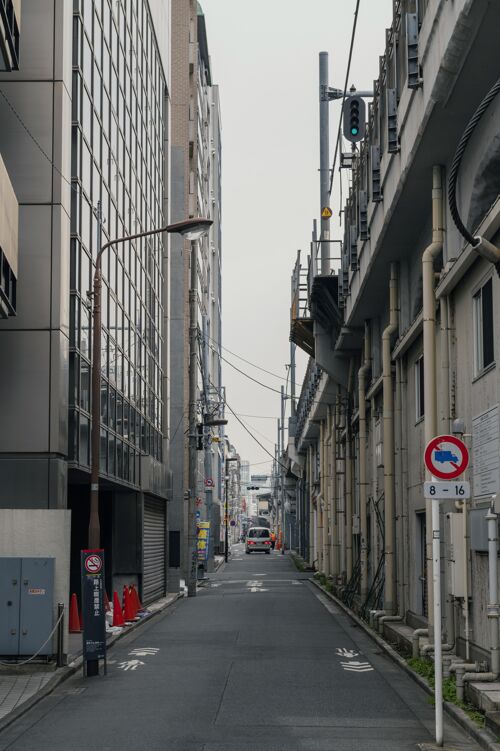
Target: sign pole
{"x":436,"y":578}
{"x":93,"y":611}
{"x":445,"y":457}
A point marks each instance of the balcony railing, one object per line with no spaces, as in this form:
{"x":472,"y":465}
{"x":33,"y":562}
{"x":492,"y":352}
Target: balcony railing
{"x":307,"y":397}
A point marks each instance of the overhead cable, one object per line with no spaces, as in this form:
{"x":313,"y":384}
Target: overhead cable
{"x":353,"y":36}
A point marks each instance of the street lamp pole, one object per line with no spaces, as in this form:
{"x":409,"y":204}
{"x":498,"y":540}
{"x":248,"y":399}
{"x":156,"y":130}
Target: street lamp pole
{"x":193,"y":456}
{"x":226,"y":506}
{"x":191,"y":229}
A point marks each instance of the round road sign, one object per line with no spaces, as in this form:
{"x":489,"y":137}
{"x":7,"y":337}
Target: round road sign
{"x":93,"y":564}
{"x":446,"y":457}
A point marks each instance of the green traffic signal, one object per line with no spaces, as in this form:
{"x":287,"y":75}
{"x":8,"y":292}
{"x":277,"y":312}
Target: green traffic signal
{"x":354,"y":131}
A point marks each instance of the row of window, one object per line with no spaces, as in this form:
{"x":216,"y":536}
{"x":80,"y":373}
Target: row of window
{"x":117,"y":158}
{"x":484,"y":355}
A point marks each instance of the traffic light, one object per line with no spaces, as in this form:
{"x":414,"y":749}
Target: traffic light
{"x":354,"y":119}
{"x":253,"y":487}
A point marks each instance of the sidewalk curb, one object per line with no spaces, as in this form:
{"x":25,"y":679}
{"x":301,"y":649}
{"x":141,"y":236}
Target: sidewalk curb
{"x":62,"y":674}
{"x":457,"y":714}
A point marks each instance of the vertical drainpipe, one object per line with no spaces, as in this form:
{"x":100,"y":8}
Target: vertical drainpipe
{"x":429,"y":325}
{"x":348,"y":472}
{"x":312,"y":518}
{"x":444,"y":346}
{"x":362,"y":375}
{"x":400,"y":494}
{"x":340,"y":495}
{"x":388,"y":415}
{"x":334,"y":560}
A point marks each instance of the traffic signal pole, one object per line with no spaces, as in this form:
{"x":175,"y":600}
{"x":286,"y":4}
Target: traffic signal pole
{"x":324,"y":161}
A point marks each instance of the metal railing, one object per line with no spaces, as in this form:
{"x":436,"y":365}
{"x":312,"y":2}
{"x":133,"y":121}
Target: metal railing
{"x":300,"y":302}
{"x":307,"y":397}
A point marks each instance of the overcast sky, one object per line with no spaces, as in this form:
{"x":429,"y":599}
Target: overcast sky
{"x":264,"y":56}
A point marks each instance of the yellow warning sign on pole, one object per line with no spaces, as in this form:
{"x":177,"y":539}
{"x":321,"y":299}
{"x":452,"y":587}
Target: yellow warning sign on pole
{"x":326,"y":213}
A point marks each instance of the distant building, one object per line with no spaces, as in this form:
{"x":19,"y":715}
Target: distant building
{"x":195,"y":191}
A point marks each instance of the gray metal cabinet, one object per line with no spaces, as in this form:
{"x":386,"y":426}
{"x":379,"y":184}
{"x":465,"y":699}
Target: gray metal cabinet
{"x":26,"y":601}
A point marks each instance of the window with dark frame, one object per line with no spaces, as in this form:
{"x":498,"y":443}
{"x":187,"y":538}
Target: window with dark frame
{"x":419,"y":389}
{"x":483,"y":327}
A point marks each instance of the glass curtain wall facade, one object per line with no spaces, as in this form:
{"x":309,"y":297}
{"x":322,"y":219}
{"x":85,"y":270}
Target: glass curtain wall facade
{"x":118,"y":129}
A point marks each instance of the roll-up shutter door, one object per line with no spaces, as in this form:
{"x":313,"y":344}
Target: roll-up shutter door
{"x":154,"y":550}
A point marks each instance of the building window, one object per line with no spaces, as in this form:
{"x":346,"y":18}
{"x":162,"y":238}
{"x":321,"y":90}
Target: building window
{"x":419,"y":388}
{"x":483,"y":327}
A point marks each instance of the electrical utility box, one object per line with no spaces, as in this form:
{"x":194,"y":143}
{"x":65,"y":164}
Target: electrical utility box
{"x":457,"y":554}
{"x":27,"y":605}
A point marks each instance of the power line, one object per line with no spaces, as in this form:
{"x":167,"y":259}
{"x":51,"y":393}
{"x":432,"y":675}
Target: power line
{"x":242,"y":372}
{"x":254,"y":438}
{"x":261,"y":434}
{"x":248,"y":362}
{"x":259,"y":417}
{"x":353,"y":36}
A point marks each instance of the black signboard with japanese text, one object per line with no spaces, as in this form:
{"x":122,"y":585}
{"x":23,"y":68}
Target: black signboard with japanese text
{"x":93,"y":607}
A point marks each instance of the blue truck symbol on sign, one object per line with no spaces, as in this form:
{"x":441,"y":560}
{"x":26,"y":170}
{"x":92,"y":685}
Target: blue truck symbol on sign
{"x":445,"y":456}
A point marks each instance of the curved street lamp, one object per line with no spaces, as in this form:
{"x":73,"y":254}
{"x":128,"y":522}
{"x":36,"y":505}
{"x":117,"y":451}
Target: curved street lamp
{"x":190,"y":229}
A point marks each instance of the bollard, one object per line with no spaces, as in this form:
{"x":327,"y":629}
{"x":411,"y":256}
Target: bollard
{"x":60,"y":635}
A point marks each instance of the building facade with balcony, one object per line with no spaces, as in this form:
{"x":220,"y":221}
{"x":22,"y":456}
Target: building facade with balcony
{"x":413,"y":340}
{"x":92,"y":91}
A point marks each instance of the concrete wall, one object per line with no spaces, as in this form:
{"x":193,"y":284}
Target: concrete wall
{"x":34,"y":386}
{"x":41,"y":533}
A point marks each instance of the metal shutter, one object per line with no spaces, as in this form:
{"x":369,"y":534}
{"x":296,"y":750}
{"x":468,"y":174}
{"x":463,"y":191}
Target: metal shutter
{"x":153,"y":582}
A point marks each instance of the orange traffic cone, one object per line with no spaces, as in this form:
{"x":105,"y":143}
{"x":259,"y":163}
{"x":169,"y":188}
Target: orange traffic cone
{"x":132,"y":594}
{"x":117,"y":611}
{"x":74,"y":618}
{"x":128,"y":610}
{"x":138,"y":603}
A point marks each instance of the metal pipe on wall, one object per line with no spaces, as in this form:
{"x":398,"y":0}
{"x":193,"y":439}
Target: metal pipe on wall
{"x":429,"y":330}
{"x":400,"y":500}
{"x":363,"y":494}
{"x":349,"y":470}
{"x":388,"y":446}
{"x":340,"y":491}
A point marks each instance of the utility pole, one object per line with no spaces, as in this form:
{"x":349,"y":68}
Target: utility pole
{"x":192,"y":567}
{"x":207,"y":448}
{"x":293,"y":405}
{"x":324,"y":161}
{"x":282,"y":471}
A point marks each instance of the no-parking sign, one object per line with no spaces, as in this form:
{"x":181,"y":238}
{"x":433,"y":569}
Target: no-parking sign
{"x":446,"y":457}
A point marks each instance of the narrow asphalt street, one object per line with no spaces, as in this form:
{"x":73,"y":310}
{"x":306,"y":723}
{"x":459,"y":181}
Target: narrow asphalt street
{"x":260,"y":659}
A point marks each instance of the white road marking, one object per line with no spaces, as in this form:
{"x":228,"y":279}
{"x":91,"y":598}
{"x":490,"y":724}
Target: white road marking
{"x":343,"y":652}
{"x":130,"y":664}
{"x":144,"y":651}
{"x":357,"y":667}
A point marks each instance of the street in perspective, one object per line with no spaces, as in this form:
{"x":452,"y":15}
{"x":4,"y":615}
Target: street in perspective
{"x":276,"y":665}
{"x":249,"y":401}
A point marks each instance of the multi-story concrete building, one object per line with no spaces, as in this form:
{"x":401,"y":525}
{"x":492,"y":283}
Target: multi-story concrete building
{"x":88,"y":125}
{"x":195,"y":191}
{"x":404,"y":338}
